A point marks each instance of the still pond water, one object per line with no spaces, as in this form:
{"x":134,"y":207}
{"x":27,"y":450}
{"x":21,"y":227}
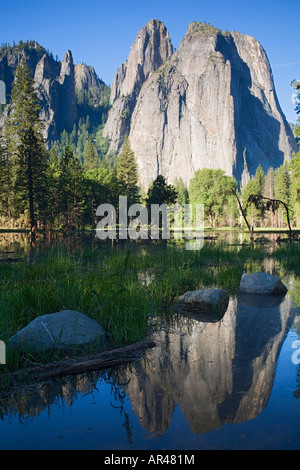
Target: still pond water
{"x":231,"y":384}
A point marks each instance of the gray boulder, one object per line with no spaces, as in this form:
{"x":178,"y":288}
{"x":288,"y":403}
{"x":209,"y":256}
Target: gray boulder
{"x":205,"y":305}
{"x":262,"y":283}
{"x":61,"y":331}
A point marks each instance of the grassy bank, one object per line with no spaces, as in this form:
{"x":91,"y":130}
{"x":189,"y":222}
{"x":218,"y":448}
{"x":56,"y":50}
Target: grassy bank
{"x":121,"y":288}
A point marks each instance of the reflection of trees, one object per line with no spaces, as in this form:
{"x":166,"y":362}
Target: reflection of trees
{"x":119,"y":396}
{"x":30,"y":400}
{"x":27,"y":401}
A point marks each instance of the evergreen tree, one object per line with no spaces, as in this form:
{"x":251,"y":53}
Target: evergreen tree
{"x":160,"y":192}
{"x":30,"y":184}
{"x":26,"y":146}
{"x":260,"y":178}
{"x":127,"y":173}
{"x":282,"y":191}
{"x":182,"y":192}
{"x":101,"y":186}
{"x":295,"y":187}
{"x":53,"y":198}
{"x":269,"y":192}
{"x":23,"y":109}
{"x":102,"y":143}
{"x":71,"y":190}
{"x":254,"y":188}
{"x":90,"y":156}
{"x":6,"y":183}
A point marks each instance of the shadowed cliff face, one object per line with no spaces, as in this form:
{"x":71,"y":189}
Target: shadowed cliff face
{"x":212,"y":104}
{"x":261,"y":130}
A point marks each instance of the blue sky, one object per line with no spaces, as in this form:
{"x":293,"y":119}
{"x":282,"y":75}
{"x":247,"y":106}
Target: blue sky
{"x":100,"y":33}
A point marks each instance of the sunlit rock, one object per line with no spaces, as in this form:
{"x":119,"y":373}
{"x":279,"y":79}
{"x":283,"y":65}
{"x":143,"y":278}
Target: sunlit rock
{"x":262,"y":283}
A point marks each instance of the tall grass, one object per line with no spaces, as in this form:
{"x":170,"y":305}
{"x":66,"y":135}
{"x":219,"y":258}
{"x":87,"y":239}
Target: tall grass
{"x":120,"y":288}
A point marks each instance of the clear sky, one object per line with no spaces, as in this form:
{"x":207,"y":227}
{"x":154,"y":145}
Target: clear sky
{"x":100,"y":33}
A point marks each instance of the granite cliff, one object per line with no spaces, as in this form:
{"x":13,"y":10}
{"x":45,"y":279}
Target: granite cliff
{"x":57,"y":84}
{"x":212,"y":103}
{"x":150,"y":50}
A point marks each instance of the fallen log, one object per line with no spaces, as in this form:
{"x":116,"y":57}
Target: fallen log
{"x":95,"y":362}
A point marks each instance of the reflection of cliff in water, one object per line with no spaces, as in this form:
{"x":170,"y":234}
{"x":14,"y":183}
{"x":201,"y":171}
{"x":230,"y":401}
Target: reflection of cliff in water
{"x":216,"y":373}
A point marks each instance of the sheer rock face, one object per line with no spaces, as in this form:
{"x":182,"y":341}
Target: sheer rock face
{"x":151,"y":48}
{"x":86,"y":77}
{"x":66,"y":108}
{"x":56,"y":83}
{"x":211,"y":104}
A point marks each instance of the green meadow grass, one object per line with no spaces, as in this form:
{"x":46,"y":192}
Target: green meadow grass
{"x":121,"y":287}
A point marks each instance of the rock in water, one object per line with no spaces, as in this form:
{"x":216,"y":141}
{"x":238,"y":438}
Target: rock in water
{"x":63,"y":330}
{"x":207,"y":304}
{"x":211,"y":104}
{"x":262,"y":283}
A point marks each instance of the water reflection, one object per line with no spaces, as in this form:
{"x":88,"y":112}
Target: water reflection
{"x":18,"y":245}
{"x":216,"y":373}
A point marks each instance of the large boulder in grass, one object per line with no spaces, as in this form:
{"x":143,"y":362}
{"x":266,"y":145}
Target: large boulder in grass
{"x":262,"y":284}
{"x":61,"y":331}
{"x":205,"y":305}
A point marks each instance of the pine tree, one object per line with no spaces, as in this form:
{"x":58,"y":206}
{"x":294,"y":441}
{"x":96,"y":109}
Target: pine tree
{"x":24,"y":107}
{"x":71,"y":189}
{"x":26,"y":146}
{"x":53,"y":197}
{"x":30,"y":184}
{"x":269,"y":192}
{"x":295,"y":187}
{"x":282,"y":191}
{"x":160,"y":192}
{"x":6,"y":183}
{"x":127,"y":173}
{"x":254,"y":188}
{"x":90,"y":156}
{"x":182,"y":192}
{"x":260,"y":178}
